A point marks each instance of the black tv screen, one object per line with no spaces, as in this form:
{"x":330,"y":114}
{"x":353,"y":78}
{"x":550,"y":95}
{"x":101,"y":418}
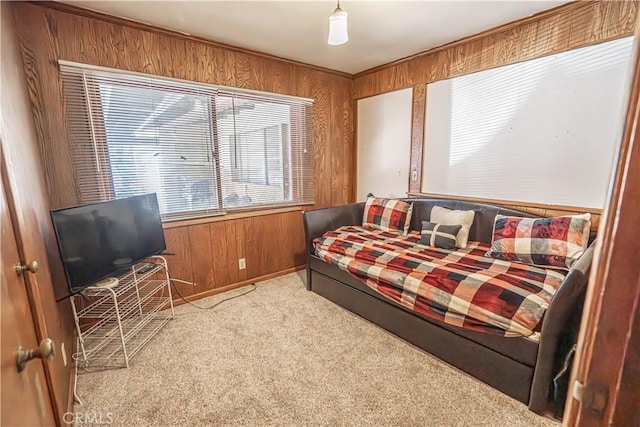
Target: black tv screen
{"x":99,"y":240}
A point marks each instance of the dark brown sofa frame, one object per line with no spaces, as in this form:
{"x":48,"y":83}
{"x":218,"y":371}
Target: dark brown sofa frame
{"x":518,"y":367}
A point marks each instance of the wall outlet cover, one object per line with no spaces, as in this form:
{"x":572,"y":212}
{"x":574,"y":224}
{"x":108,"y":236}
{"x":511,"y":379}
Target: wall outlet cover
{"x":242,"y":264}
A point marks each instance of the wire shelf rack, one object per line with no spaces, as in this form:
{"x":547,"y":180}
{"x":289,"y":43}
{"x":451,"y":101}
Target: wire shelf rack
{"x":119,"y":320}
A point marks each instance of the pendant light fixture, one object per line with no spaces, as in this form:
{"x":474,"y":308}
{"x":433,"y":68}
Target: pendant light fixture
{"x":338,"y":27}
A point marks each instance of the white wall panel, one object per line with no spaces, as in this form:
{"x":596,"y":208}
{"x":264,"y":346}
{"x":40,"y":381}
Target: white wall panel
{"x":540,"y":131}
{"x":384,"y":144}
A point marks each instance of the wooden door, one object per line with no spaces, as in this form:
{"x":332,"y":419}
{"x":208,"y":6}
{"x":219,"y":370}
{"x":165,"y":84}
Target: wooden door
{"x":24,"y":185}
{"x":24,"y":396}
{"x":605,"y":384}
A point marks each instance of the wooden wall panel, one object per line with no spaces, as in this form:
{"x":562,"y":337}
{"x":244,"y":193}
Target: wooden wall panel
{"x":205,"y":253}
{"x":219,"y":258}
{"x":28,"y":204}
{"x":418,"y":111}
{"x":273,"y":243}
{"x":179,"y":263}
{"x":573,"y":25}
{"x":348,"y":143}
{"x":208,"y":253}
{"x":231,"y":254}
{"x":321,"y":137}
{"x":607,"y":347}
{"x":201,"y":247}
{"x":570,"y":26}
{"x":240,"y":234}
{"x":337,"y":126}
{"x":533,"y":208}
{"x":48,"y":35}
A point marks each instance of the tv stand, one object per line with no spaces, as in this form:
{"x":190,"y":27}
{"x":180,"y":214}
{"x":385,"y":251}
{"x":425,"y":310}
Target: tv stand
{"x":122,"y":315}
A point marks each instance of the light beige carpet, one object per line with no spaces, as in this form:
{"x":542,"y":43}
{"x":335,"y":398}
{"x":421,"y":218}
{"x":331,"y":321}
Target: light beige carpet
{"x":284,"y":356}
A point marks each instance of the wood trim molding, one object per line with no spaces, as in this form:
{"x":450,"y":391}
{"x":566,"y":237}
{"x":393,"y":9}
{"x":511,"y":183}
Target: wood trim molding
{"x":71,"y":398}
{"x":126,"y":22}
{"x":563,"y":28}
{"x":418,"y":111}
{"x":533,"y":208}
{"x":354,"y":163}
{"x":569,"y":8}
{"x":570,"y":26}
{"x":229,"y":217}
{"x":566,"y":208}
{"x":613,"y":292}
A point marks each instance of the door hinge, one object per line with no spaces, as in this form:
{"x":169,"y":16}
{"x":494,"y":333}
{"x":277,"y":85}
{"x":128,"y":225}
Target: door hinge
{"x":592,"y":396}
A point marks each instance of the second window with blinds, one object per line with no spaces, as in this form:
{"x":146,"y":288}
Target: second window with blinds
{"x":203,"y":149}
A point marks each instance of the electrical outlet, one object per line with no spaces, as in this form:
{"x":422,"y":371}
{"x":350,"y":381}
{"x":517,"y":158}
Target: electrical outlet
{"x":414,"y":175}
{"x":242,"y":264}
{"x":64,"y":354}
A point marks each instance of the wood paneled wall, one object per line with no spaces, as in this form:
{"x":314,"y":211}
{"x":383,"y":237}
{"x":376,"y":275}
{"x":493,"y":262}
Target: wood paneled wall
{"x":205,"y":253}
{"x":208,"y":253}
{"x":567,"y":27}
{"x":533,"y":208}
{"x":49,"y":32}
{"x":25,"y":185}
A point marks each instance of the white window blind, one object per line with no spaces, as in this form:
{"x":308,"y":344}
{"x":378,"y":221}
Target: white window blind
{"x":202,"y":149}
{"x":265,"y":155}
{"x":542,"y":131}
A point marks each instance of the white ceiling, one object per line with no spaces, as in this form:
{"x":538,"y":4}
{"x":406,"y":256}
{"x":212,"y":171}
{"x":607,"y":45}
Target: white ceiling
{"x":379,"y":31}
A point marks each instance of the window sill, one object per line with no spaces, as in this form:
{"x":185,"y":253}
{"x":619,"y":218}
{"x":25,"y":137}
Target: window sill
{"x":230,"y":216}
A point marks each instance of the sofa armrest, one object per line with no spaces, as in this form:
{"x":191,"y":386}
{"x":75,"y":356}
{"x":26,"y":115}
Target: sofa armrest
{"x":319,"y":221}
{"x":560,"y":324}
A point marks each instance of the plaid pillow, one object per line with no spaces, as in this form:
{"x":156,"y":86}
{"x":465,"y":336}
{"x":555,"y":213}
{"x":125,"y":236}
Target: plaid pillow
{"x":387,"y":214}
{"x":438,"y":235}
{"x":557,"y":241}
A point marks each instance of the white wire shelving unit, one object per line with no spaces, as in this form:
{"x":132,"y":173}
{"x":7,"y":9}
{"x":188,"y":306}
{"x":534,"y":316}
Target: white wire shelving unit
{"x":115,"y":322}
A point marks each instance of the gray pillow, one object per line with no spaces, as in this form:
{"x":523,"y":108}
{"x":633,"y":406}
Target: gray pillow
{"x":445,"y":216}
{"x":438,"y":235}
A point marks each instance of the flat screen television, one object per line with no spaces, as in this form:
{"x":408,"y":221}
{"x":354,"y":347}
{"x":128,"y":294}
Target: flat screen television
{"x":100,"y":240}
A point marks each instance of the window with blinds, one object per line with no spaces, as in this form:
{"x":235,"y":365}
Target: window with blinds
{"x":203,"y":149}
{"x":542,"y":131}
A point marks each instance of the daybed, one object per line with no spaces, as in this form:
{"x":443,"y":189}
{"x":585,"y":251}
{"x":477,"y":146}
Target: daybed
{"x":520,"y":367}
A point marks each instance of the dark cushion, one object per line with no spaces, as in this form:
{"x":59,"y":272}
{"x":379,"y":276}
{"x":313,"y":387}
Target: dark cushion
{"x":482,"y":228}
{"x":438,"y":235}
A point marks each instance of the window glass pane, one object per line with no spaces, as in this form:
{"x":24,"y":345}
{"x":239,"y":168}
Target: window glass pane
{"x":202,"y":149}
{"x":160,"y":141}
{"x":254,"y":151}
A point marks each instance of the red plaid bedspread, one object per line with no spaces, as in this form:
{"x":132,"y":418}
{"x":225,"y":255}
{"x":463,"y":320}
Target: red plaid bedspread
{"x":462,"y":288}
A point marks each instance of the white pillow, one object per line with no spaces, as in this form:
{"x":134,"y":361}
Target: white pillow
{"x":446,"y":216}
